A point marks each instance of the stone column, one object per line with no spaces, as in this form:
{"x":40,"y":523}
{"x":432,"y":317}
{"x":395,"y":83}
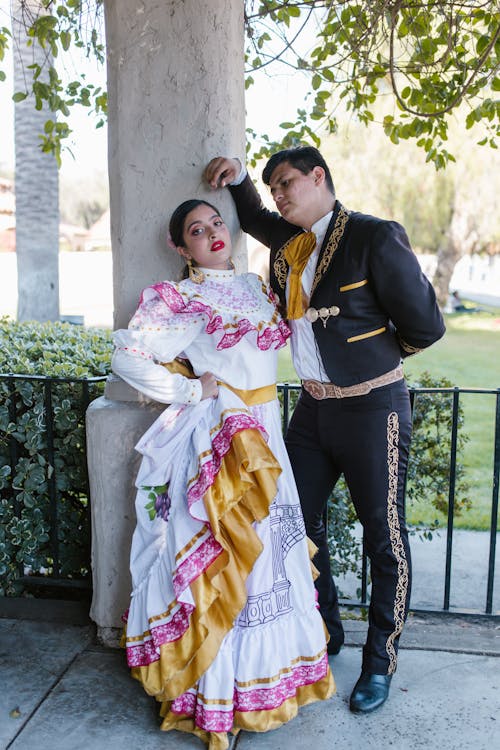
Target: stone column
{"x":176,"y":99}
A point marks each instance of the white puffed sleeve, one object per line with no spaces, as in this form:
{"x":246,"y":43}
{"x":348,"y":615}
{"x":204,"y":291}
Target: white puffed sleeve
{"x":162,"y":327}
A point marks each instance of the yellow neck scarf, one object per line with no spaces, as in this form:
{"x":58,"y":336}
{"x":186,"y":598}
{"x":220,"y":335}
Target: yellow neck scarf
{"x":297,"y":254}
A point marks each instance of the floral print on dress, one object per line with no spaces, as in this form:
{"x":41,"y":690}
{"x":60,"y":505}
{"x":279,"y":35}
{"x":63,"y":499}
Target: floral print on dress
{"x":159,"y":502}
{"x":230,"y":310}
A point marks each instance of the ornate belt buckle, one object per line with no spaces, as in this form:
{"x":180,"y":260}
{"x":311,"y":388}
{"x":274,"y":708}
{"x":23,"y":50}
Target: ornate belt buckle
{"x":316,"y":389}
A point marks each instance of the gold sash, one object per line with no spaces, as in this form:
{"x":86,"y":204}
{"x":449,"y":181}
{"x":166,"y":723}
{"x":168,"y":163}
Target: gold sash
{"x":254,"y":396}
{"x":249,"y":397}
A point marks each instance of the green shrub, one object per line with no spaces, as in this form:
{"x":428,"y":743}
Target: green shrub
{"x":429,"y":464}
{"x":27,"y":476}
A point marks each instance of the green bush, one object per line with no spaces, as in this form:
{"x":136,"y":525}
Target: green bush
{"x":27,"y":477}
{"x":429,"y":463}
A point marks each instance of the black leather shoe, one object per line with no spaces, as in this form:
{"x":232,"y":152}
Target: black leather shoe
{"x":334,"y":645}
{"x":370,"y":691}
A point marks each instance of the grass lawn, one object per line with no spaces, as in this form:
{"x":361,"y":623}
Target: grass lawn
{"x":468,"y":356}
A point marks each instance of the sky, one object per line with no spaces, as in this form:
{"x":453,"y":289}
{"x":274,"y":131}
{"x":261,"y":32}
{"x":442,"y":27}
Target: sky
{"x":89,"y":146}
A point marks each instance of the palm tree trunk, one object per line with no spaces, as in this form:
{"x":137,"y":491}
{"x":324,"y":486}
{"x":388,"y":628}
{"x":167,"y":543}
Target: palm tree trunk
{"x":36,"y":186}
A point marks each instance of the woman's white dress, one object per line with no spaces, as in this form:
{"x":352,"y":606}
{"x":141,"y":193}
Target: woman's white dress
{"x":223,"y":627}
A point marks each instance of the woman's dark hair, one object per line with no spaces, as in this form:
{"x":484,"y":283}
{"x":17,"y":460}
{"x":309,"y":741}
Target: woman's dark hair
{"x":178,"y":218}
{"x":303,"y":158}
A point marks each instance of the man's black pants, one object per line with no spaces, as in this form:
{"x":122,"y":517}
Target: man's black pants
{"x":367,"y":439}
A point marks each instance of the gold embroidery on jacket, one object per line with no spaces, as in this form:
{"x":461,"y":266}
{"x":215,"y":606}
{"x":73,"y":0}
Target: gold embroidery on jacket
{"x":367,"y":335}
{"x":356,"y":285}
{"x":280,"y":265}
{"x":332,"y":245}
{"x":397,"y":546}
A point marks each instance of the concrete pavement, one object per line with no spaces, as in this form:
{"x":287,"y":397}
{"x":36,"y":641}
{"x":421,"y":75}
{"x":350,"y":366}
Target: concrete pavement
{"x":62,"y":691}
{"x":469,"y":572}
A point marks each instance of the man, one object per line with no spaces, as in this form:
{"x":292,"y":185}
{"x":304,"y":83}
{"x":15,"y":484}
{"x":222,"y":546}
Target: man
{"x":357,"y":303}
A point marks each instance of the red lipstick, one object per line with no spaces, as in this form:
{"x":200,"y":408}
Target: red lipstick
{"x":217,"y":246}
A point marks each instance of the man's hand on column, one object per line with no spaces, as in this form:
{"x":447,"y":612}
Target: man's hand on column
{"x":222,"y":171}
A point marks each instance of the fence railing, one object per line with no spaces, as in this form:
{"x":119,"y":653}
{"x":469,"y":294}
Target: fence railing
{"x":45,"y":492}
{"x":59,"y":499}
{"x":289,"y":394}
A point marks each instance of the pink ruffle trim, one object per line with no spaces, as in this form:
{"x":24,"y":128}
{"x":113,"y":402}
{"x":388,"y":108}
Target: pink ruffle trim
{"x":254,"y":699}
{"x":269,"y":336}
{"x":145,"y":653}
{"x":221,"y":444}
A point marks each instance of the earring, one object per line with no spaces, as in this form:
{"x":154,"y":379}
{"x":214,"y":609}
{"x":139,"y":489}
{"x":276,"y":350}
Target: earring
{"x":231,"y":264}
{"x":196,"y":276}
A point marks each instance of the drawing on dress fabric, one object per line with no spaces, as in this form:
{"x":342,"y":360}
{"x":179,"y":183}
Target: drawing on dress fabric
{"x":286,"y":529}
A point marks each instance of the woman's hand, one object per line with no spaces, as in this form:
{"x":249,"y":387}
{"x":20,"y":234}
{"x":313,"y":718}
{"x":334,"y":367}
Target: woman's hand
{"x":221,"y":171}
{"x":209,"y":387}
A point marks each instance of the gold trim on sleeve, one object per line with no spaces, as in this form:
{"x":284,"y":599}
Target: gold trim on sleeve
{"x":356,"y":285}
{"x":367,"y":335}
{"x":408,"y":348}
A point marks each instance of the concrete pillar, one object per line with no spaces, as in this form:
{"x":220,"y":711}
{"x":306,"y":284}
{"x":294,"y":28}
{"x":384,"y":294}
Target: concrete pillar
{"x":176,"y":99}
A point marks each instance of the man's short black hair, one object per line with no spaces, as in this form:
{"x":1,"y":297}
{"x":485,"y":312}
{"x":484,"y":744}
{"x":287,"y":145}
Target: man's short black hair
{"x":303,"y":158}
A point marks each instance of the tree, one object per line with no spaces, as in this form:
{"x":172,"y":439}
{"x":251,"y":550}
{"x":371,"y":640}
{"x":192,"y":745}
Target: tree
{"x":53,"y":28}
{"x":415,"y":66}
{"x":424,"y":60}
{"x":450,"y":214}
{"x":36,"y":187}
{"x":473,"y":225}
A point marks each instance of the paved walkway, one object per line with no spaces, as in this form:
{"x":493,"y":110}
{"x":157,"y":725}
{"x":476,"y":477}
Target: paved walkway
{"x":62,"y":691}
{"x":469,"y":572}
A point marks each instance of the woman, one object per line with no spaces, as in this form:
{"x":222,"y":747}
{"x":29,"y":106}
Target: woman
{"x":223,"y":627}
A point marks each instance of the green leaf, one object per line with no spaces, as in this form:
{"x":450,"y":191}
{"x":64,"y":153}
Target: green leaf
{"x":65,"y":38}
{"x":402,"y":29}
{"x":482,"y":44}
{"x":19,"y":96}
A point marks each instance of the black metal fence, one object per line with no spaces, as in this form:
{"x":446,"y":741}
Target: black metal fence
{"x":45,"y":495}
{"x":55,"y":572}
{"x":289,"y":394}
